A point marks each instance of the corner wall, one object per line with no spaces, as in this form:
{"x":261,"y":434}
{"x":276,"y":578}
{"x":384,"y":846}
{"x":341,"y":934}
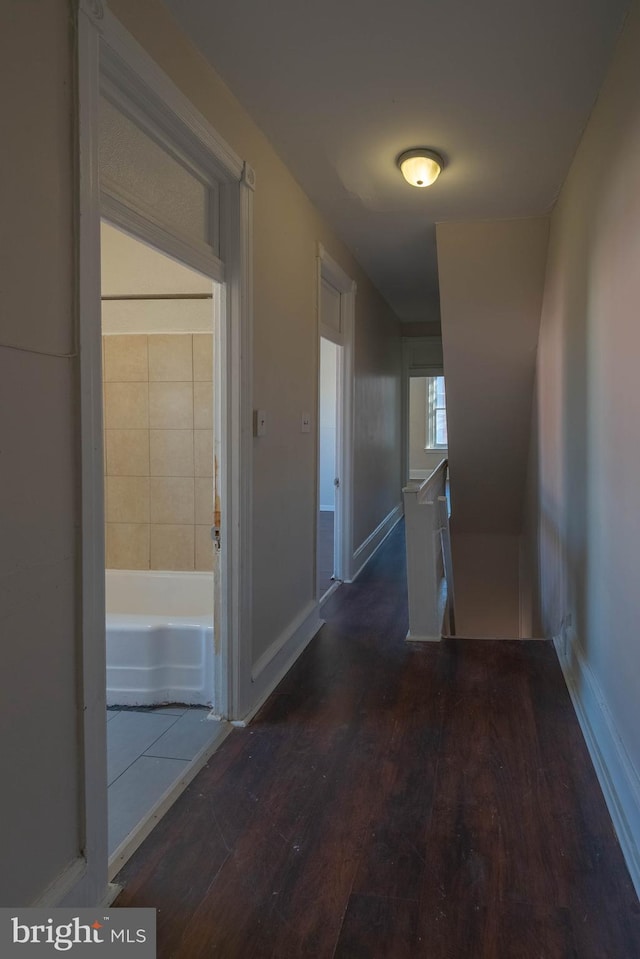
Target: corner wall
{"x":491,"y":285}
{"x":588,"y":412}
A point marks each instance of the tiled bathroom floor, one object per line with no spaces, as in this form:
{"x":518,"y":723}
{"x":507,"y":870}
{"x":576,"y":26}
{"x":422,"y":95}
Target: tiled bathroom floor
{"x":148,"y":751}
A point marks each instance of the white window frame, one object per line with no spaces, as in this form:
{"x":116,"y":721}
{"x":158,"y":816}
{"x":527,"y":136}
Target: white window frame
{"x":430,"y":439}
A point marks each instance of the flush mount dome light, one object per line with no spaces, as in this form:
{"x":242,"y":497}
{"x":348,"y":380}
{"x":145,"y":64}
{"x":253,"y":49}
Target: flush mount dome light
{"x":420,"y":167}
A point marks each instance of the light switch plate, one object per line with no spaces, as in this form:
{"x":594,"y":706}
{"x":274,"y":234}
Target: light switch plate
{"x":306,"y":423}
{"x":260,"y":424}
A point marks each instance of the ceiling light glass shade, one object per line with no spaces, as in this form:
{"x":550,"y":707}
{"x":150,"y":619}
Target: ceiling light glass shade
{"x":420,"y":167}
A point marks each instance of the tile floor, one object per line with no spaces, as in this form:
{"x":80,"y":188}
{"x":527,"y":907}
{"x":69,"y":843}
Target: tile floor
{"x":148,"y":750}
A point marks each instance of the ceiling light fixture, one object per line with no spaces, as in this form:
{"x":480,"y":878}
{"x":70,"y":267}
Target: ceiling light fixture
{"x":420,"y":167}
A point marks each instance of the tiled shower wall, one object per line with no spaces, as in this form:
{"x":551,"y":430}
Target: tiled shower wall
{"x":158,"y":418}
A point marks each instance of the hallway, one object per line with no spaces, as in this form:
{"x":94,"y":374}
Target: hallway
{"x":394,"y":801}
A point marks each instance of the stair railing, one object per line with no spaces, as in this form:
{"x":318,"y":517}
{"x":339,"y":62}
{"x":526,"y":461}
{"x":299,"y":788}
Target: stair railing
{"x":429,"y":566}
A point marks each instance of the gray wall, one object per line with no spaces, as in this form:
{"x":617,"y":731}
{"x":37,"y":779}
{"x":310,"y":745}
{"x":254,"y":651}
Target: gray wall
{"x":588,"y":412}
{"x":39,"y":600}
{"x":491,"y":285}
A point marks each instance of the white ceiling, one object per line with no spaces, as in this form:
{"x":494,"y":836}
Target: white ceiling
{"x":502,"y":88}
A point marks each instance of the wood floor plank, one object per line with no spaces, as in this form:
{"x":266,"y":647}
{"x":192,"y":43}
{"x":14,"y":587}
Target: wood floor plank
{"x":393,"y":800}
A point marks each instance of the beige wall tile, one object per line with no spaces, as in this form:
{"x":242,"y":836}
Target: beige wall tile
{"x":171,"y":406}
{"x":170,"y":357}
{"x":204,"y":548}
{"x":203,"y":406}
{"x":127,"y":452}
{"x":127,"y":546}
{"x":171,"y":499}
{"x":171,"y":452}
{"x":127,"y":499}
{"x":204,"y":500}
{"x":126,"y":406}
{"x":172,"y":547}
{"x":203,"y":356}
{"x":125,"y":358}
{"x":203,"y":452}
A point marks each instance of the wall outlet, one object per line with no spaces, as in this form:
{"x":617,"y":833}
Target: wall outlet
{"x":306,"y":423}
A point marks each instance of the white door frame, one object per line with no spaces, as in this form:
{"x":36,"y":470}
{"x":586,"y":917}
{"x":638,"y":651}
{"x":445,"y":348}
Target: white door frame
{"x":107,"y":53}
{"x":332,"y":273}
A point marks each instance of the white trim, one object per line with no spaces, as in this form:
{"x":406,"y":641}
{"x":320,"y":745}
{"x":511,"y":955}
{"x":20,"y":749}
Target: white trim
{"x":91,"y":886}
{"x":619,"y":780}
{"x":330,"y":271}
{"x":300,"y":624}
{"x":113,"y":891}
{"x":238,"y":536}
{"x":56,"y":894}
{"x":138,"y":835}
{"x":374,"y":541}
{"x":138,"y":222}
{"x":278,"y":659}
{"x":333,"y":272}
{"x":325,"y":596}
{"x":123,"y":55}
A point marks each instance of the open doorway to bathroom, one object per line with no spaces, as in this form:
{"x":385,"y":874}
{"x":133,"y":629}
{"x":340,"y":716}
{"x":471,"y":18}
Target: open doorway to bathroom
{"x":158,"y":333}
{"x":156,"y":170}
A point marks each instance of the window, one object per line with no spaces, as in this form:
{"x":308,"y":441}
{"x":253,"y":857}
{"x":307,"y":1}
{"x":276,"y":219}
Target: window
{"x":436,"y":413}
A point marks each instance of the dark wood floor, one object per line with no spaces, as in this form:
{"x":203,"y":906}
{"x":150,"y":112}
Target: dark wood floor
{"x":394,"y":801}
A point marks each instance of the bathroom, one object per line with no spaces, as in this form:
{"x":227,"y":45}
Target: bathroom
{"x":158,"y":414}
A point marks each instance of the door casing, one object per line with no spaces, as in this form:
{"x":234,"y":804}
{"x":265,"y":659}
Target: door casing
{"x":107,"y":52}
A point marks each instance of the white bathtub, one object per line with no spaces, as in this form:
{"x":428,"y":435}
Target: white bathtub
{"x":159,"y":637}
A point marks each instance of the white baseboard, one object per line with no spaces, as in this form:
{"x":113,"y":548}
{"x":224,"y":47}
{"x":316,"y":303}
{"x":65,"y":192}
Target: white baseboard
{"x":63,"y":885}
{"x":618,"y":778}
{"x":374,"y":541}
{"x":334,"y":586}
{"x":278,"y":659}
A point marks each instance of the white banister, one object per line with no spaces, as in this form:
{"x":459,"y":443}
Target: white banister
{"x":445,"y":536}
{"x":429,"y":573}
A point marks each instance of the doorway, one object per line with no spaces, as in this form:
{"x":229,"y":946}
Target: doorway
{"x":158,"y":330}
{"x":334,"y":539}
{"x":329,"y":465}
{"x":156,"y":170}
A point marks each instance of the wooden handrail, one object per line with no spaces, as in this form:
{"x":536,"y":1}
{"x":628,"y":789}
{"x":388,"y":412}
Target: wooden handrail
{"x":435,"y":480}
